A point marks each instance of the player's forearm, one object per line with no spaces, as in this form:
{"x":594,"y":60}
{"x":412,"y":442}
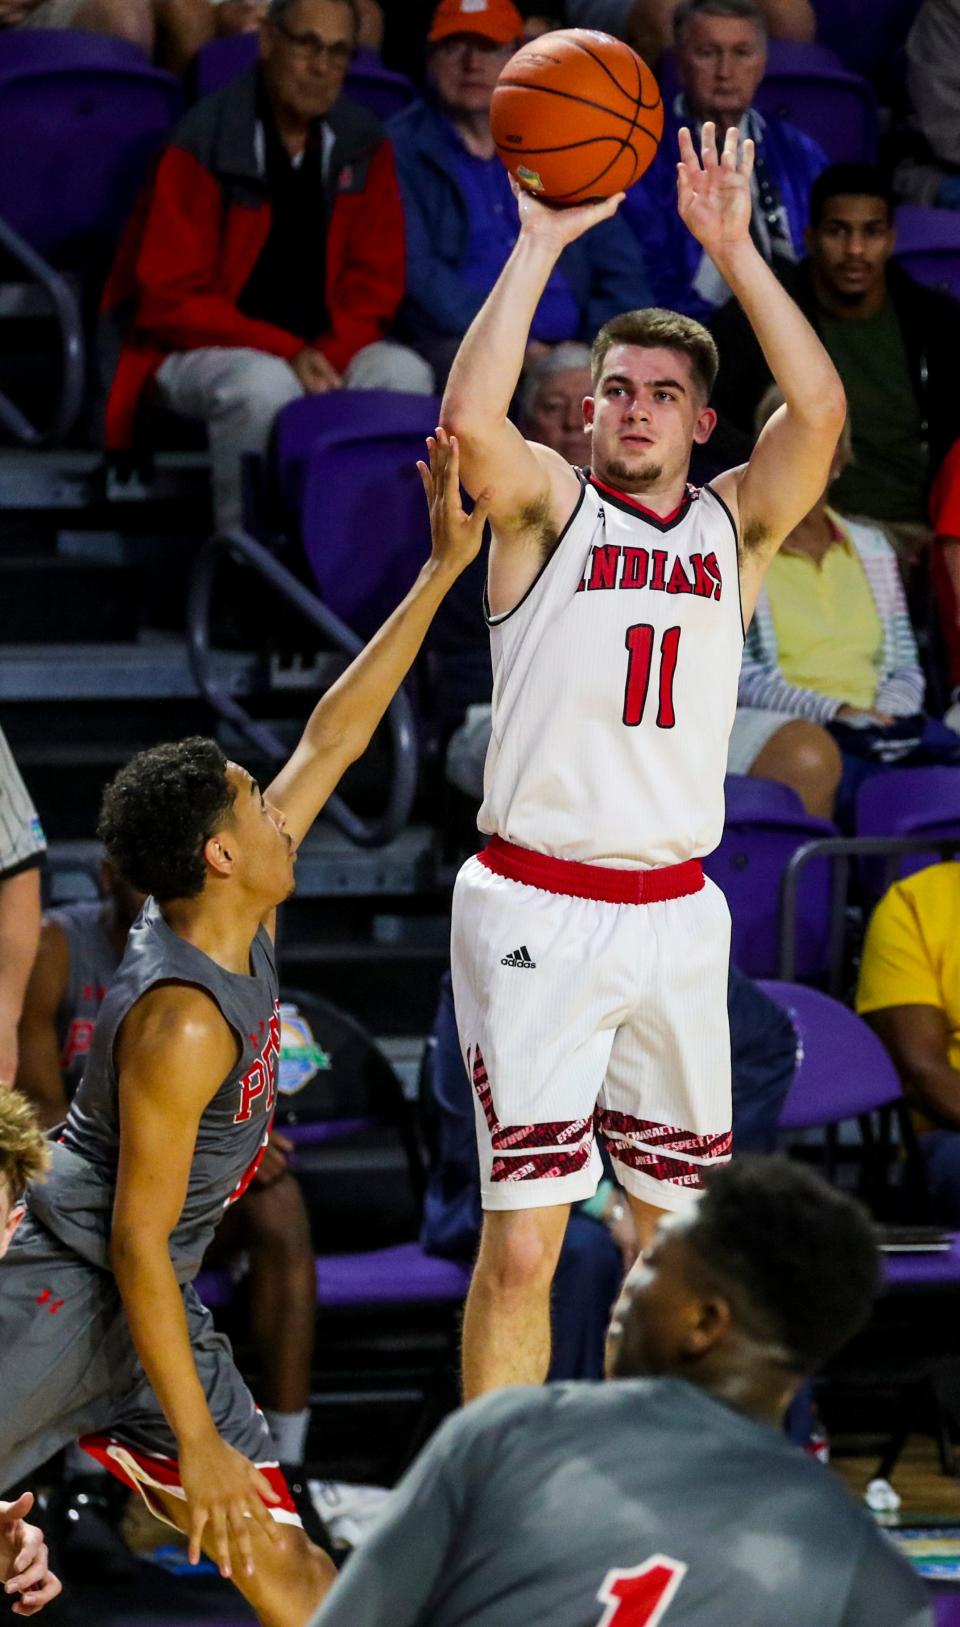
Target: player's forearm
{"x":39,"y":1076}
{"x":345,"y":719}
{"x":158,"y":1326}
{"x":934,"y":1088}
{"x":488,"y":364}
{"x":796,"y":357}
{"x":19,"y":936}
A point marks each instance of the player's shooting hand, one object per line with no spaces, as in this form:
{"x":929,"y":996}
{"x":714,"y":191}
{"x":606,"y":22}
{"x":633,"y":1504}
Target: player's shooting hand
{"x":456,"y":535}
{"x":713,"y":191}
{"x":24,"y":1560}
{"x":559,"y":227}
{"x":225,"y":1497}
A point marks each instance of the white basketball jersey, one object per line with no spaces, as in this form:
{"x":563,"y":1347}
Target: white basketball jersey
{"x":615,"y":686}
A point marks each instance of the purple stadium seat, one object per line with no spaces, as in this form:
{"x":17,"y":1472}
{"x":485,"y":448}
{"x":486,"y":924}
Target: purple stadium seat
{"x":346,"y":463}
{"x":836,"y":108}
{"x":81,"y":118}
{"x":748,"y":867}
{"x":404,"y":1275}
{"x":928,"y":246}
{"x":910,"y":802}
{"x":368,"y":81}
{"x":864,"y":37}
{"x":842,"y":1068}
{"x":748,"y":797}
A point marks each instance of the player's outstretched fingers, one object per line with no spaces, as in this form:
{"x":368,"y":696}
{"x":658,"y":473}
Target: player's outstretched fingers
{"x":708,"y":144}
{"x":748,"y":154}
{"x":218,"y":1538}
{"x":240,"y":1528}
{"x":263,"y":1494}
{"x":731,"y":145}
{"x":198,"y":1525}
{"x":688,"y":152}
{"x":451,"y":477}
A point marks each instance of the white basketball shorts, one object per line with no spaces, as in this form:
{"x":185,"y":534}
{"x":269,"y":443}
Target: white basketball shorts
{"x":578,"y":1013}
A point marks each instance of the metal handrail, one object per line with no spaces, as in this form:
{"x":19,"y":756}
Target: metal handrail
{"x":72,"y":349}
{"x":400,"y":715}
{"x":842,"y":849}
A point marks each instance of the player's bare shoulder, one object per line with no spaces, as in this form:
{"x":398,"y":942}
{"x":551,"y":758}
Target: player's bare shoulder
{"x":176,"y":1020}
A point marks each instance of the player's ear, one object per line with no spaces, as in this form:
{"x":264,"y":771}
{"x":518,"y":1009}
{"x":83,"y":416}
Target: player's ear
{"x":705,"y":425}
{"x":219,"y":852}
{"x":710,"y":1322}
{"x":13,"y":1221}
{"x":589,"y":408}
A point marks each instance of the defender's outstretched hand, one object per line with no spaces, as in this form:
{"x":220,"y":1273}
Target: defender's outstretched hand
{"x":713,"y":191}
{"x":456,"y":536}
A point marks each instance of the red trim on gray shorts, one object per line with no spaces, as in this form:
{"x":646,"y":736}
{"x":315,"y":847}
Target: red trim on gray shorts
{"x":573,"y":880}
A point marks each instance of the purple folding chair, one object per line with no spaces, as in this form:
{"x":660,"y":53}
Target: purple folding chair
{"x":222,"y":61}
{"x":748,"y":867}
{"x":837,"y":109}
{"x":909,"y":802}
{"x":844,"y":1072}
{"x":81,"y":118}
{"x":928,"y":246}
{"x":346,"y":465}
{"x":865,"y":38}
{"x":749,"y":797}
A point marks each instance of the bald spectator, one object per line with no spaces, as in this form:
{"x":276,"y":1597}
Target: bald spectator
{"x":461,"y":215}
{"x":721,"y":48}
{"x":268,"y":263}
{"x":22,"y":847}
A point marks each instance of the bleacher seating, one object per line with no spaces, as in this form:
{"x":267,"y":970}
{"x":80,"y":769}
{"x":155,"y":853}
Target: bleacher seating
{"x":928,"y":246}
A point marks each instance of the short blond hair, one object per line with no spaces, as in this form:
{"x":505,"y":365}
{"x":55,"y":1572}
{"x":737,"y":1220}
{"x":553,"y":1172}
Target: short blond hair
{"x":652,"y":328}
{"x":24,"y":1150}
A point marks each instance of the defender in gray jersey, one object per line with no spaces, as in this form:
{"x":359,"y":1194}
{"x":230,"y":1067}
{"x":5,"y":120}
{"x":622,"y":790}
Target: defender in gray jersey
{"x":667,"y":1497}
{"x":102,"y":1334}
{"x":22,"y":846}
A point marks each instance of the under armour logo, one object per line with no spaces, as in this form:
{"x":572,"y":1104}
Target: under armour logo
{"x":46,"y":1298}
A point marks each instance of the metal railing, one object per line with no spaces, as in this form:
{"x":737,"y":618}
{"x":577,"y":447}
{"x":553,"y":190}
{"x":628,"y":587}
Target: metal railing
{"x":400,"y":716}
{"x":72,"y":348}
{"x":840,"y":850}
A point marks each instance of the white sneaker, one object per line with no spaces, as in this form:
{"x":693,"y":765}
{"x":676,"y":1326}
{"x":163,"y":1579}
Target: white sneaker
{"x":951,"y":716}
{"x":348,"y":1512}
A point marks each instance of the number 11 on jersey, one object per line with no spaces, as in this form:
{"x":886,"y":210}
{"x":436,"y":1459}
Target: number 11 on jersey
{"x":642,"y":1597}
{"x":639,"y":642}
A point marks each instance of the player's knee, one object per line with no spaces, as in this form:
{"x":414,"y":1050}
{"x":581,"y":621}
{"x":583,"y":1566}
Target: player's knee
{"x":278,"y":1219}
{"x":517,"y":1257}
{"x":815,"y":754}
{"x":130,"y":20}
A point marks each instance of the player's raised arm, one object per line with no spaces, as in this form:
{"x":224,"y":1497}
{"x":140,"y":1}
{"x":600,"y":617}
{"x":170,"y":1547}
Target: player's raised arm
{"x":343,"y":721}
{"x":535,"y":489}
{"x":173,"y":1051}
{"x":790,"y":465}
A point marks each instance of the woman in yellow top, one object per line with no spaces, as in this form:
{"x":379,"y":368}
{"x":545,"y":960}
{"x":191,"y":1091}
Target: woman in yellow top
{"x":831,"y":687}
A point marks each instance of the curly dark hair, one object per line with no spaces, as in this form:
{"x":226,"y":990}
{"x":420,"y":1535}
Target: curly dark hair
{"x":796,"y":1258}
{"x":160,"y":810}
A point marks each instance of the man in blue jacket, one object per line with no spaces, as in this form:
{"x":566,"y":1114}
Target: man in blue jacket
{"x":721,"y":57}
{"x":461,"y":217}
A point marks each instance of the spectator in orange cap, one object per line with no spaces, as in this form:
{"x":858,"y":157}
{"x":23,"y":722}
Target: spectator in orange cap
{"x":461,"y":216}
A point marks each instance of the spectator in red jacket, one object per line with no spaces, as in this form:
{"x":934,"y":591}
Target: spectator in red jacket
{"x":267,"y":259}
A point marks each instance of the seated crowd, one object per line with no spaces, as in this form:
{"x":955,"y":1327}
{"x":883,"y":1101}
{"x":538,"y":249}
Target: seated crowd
{"x":289,"y":244}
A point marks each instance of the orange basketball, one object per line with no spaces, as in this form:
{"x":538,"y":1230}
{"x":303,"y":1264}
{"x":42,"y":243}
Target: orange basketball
{"x":576,"y":116}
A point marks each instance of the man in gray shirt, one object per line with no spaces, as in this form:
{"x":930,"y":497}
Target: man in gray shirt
{"x":668,"y":1495}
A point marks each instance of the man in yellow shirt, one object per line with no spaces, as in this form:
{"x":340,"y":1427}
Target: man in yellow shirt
{"x":910,"y":993}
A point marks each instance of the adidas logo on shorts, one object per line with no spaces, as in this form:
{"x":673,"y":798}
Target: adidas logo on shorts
{"x":520,"y":957}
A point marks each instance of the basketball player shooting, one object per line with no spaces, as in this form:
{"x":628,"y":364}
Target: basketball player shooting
{"x":590,"y":954}
{"x":102,"y":1335}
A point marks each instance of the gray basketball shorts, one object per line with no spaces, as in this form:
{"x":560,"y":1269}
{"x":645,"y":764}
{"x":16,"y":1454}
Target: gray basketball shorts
{"x":69,"y":1371}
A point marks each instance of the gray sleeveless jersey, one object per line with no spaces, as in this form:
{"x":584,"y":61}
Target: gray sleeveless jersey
{"x":629,"y":1504}
{"x":92,"y":964}
{"x":76,"y":1201}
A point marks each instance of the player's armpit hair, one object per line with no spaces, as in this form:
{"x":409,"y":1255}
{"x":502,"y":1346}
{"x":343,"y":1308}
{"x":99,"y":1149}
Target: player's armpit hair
{"x":535,"y":521}
{"x":24,"y":1149}
{"x":755,"y":534}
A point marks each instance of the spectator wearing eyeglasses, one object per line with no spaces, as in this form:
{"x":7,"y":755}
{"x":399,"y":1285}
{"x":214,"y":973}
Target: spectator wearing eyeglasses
{"x":461,"y":214}
{"x":267,"y":260}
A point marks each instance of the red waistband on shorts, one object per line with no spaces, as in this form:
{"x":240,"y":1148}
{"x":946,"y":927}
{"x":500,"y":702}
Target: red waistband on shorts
{"x":594,"y":881}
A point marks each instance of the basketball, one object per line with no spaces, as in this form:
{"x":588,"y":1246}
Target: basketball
{"x":576,"y":116}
